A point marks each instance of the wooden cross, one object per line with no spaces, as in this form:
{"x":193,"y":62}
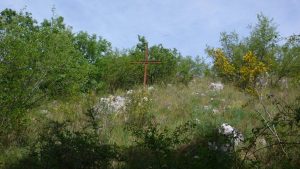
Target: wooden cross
{"x":146,"y":62}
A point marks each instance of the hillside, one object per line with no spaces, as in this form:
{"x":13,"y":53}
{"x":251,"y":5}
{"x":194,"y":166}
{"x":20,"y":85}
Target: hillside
{"x":70,"y":100}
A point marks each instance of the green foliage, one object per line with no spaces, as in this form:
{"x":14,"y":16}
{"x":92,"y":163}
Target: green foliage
{"x":42,"y":63}
{"x":157,"y":146}
{"x":186,"y":70}
{"x":289,"y":59}
{"x":36,"y":63}
{"x":59,"y":147}
{"x":166,"y":71}
{"x":263,"y":42}
{"x":182,"y":147}
{"x":91,"y":47}
{"x":280,"y":130}
{"x":117,"y":71}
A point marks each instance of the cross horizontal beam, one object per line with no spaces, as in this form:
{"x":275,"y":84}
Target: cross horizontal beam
{"x":146,"y":62}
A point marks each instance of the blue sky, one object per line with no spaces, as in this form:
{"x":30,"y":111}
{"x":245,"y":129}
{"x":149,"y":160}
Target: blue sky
{"x":188,"y":25}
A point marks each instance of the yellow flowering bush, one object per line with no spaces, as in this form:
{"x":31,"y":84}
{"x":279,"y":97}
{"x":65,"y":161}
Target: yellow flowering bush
{"x":251,"y":69}
{"x":222,"y":63}
{"x":244,"y":75}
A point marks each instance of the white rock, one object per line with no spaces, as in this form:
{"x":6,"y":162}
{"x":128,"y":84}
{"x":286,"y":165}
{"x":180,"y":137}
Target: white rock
{"x":150,"y":88}
{"x":206,"y":107}
{"x":261,"y":142}
{"x":284,"y":83}
{"x":262,"y":80}
{"x":118,"y":103}
{"x":196,"y":157}
{"x":215,"y":111}
{"x":212,"y":145}
{"x":230,"y":131}
{"x":234,"y":136}
{"x":129,"y":92}
{"x":145,"y":99}
{"x":216,"y":86}
{"x":44,"y":112}
{"x":111,"y":104}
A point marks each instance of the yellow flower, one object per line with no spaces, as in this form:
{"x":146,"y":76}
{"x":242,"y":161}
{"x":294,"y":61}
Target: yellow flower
{"x":222,"y":63}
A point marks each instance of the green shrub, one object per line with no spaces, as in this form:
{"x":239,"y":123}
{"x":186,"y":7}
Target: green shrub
{"x":181,"y":148}
{"x":60,"y":148}
{"x":281,"y":130}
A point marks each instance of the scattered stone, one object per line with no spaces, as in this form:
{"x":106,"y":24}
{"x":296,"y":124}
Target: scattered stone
{"x":150,"y":88}
{"x":261,"y":142}
{"x":111,"y":104}
{"x":284,"y":83}
{"x":129,"y":92}
{"x":145,"y":99}
{"x":44,"y":111}
{"x":229,"y":131}
{"x":263,"y":80}
{"x":216,"y":86}
{"x":215,"y":111}
{"x":199,"y":93}
{"x":196,"y":157}
{"x":234,"y":137}
{"x":206,"y":107}
{"x":212,"y":145}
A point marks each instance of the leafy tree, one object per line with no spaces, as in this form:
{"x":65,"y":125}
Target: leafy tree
{"x":37,"y":63}
{"x":91,"y":47}
{"x":118,"y":73}
{"x":243,"y":61}
{"x":58,"y":147}
{"x":166,"y":70}
{"x":185,"y":70}
{"x":263,"y":40}
{"x":289,"y":59}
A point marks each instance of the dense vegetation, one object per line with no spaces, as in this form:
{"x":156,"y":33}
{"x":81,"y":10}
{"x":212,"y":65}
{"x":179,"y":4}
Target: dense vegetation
{"x":51,"y":79}
{"x":244,"y":61}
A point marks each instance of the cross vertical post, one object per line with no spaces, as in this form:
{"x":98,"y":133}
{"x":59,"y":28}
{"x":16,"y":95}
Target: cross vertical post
{"x":146,"y":62}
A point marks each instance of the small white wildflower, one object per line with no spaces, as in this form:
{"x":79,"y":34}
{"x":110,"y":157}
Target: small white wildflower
{"x":215,"y":111}
{"x":145,"y":99}
{"x":206,"y":107}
